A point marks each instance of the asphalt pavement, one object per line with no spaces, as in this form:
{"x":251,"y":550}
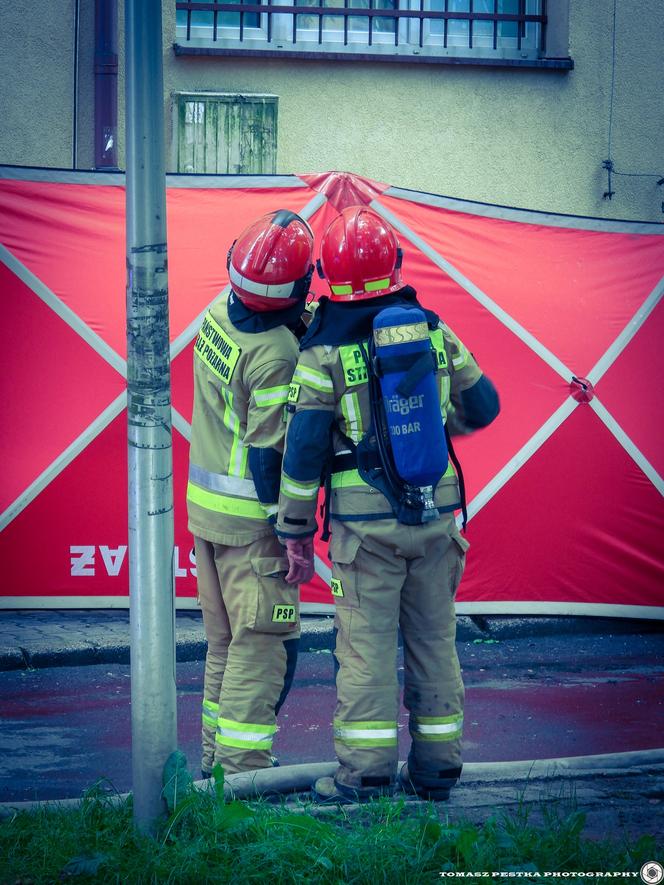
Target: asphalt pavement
{"x":72,"y":637}
{"x":536,"y":689}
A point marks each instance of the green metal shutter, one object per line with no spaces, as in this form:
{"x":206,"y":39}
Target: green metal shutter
{"x":220,"y":133}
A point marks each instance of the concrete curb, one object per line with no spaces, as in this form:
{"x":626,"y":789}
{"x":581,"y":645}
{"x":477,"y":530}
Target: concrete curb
{"x":299,"y":778}
{"x":70,"y":638}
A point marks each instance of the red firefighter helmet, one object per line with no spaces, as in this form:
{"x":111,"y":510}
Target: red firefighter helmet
{"x":360,"y":256}
{"x":269,"y":264}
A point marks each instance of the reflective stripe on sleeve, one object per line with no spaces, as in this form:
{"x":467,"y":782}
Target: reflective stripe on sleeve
{"x":366,"y":734}
{"x":350,"y":409}
{"x":300,"y":491}
{"x":437,"y":728}
{"x":210,"y":713}
{"x":444,"y":394}
{"x":231,"y":420}
{"x":238,"y":458}
{"x":225,"y":504}
{"x":249,"y":735}
{"x":461,"y":359}
{"x":271,"y":396}
{"x":312,"y":378}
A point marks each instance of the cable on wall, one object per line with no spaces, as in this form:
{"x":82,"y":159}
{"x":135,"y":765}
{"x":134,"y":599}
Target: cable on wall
{"x":608,"y":163}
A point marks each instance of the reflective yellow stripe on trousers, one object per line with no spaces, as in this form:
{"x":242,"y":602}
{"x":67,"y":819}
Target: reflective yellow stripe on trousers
{"x":210,"y":713}
{"x":367,"y":734}
{"x":437,"y":728}
{"x":245,"y":735}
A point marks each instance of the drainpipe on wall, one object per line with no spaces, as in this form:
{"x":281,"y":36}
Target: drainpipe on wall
{"x":74,"y":134}
{"x":106,"y":84}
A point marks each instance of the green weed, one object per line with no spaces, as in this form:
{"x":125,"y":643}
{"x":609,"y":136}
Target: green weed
{"x":207,"y":839}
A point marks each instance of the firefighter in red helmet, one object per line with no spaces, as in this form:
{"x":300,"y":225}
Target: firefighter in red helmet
{"x":378,"y":380}
{"x":244,"y":358}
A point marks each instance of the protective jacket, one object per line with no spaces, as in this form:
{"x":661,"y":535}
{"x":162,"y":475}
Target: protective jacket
{"x":242,"y":367}
{"x":328,"y":403}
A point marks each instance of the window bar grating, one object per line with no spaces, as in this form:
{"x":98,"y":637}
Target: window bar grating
{"x":470,"y":27}
{"x":373,"y":10}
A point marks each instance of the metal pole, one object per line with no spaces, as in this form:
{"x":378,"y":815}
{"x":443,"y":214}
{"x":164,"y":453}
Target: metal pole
{"x":151,"y":588}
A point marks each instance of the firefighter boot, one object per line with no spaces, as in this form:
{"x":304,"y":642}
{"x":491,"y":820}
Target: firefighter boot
{"x":435,"y":788}
{"x":328,"y":791}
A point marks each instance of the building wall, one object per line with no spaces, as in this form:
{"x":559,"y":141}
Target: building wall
{"x":521,"y":137}
{"x":37,"y":77}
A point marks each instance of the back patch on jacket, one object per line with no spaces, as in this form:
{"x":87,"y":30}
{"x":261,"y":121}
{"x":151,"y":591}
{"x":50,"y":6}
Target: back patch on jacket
{"x":354,"y":365}
{"x":216,"y":349}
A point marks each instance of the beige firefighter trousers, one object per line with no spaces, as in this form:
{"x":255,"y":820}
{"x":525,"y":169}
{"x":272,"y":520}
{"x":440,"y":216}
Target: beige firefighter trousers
{"x":252,"y":625}
{"x":387,"y":575}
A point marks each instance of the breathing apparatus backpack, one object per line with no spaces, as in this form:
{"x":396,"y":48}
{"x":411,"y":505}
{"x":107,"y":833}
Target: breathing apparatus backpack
{"x":405,"y":452}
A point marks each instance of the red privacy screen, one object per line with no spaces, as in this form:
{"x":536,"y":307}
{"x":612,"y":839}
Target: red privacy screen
{"x":563,"y":313}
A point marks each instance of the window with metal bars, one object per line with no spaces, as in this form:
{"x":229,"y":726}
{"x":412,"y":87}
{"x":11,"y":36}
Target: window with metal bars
{"x":498,"y":30}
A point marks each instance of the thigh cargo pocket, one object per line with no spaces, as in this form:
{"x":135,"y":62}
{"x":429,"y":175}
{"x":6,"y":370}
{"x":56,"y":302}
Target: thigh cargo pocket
{"x":458,"y":547}
{"x":343,"y":551}
{"x":277,"y":603}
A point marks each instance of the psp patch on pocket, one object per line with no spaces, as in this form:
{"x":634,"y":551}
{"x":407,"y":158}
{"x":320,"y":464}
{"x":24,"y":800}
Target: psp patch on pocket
{"x":284,"y":614}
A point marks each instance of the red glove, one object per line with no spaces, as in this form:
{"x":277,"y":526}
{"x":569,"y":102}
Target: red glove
{"x":300,"y":552}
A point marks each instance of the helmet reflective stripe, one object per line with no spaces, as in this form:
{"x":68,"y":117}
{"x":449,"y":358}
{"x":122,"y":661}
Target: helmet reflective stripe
{"x":265,"y":290}
{"x":210,"y":713}
{"x":437,"y":728}
{"x":249,"y":735}
{"x":366,"y":734}
{"x":375,"y":285}
{"x":341,"y":290}
{"x":219,"y":482}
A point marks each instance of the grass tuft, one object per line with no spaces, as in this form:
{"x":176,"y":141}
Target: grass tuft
{"x":206,"y":839}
